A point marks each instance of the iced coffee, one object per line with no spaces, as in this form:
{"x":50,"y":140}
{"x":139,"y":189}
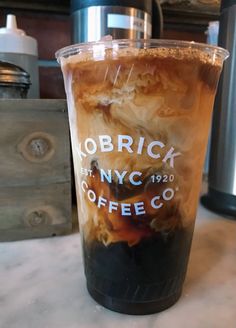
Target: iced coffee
{"x":139,"y":119}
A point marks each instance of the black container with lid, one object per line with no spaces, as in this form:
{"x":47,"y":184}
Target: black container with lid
{"x":221,"y":195}
{"x":227,"y":3}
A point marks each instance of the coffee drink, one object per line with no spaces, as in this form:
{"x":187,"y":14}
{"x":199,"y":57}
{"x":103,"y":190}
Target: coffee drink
{"x":139,"y":119}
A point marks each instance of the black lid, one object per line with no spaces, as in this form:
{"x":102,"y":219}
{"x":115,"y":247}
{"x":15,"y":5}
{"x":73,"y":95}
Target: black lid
{"x":145,"y":5}
{"x":227,"y":3}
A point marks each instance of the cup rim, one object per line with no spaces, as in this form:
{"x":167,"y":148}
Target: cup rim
{"x":74,"y":49}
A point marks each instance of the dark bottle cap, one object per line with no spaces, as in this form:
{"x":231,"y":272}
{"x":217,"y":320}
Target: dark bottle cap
{"x":227,"y":3}
{"x":145,"y":5}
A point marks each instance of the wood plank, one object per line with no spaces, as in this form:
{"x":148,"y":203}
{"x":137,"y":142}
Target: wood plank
{"x":35,"y":208}
{"x":35,"y":169}
{"x":48,"y":105}
{"x":34,"y":143}
{"x":44,"y":232}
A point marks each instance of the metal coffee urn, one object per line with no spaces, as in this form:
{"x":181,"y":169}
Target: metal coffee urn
{"x":221,"y":196}
{"x":124,"y":19}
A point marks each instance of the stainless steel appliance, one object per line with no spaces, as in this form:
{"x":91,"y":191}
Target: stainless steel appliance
{"x":221,"y":196}
{"x":124,"y":19}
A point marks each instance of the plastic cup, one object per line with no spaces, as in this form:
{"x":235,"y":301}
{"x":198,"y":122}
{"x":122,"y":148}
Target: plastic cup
{"x":139,"y":115}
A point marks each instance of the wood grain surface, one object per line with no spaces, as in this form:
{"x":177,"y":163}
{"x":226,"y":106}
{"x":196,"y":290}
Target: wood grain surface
{"x":35,"y":170}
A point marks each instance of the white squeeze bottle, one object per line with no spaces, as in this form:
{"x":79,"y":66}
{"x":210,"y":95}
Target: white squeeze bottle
{"x":22,"y":50}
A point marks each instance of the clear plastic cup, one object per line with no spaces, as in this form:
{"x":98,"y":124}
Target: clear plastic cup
{"x":139,"y":115}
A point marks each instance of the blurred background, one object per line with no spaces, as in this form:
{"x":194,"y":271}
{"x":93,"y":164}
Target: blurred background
{"x":51,"y":24}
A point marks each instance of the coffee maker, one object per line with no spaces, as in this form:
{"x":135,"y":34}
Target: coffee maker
{"x":124,"y":19}
{"x":221,"y":196}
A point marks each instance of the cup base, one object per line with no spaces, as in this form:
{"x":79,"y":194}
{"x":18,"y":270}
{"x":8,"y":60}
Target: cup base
{"x":136,"y":308}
